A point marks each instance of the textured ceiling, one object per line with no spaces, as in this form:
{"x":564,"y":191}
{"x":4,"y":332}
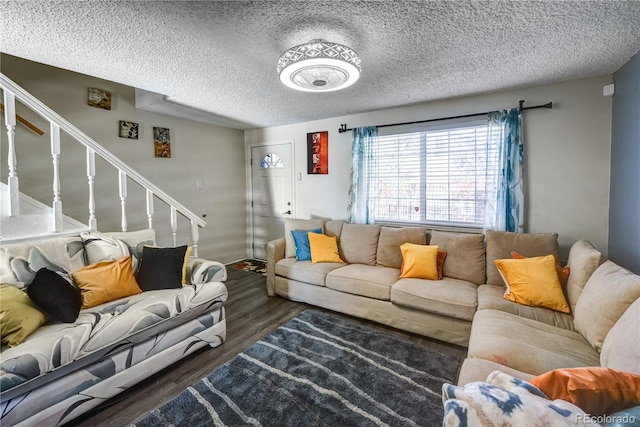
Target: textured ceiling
{"x":220,"y":57}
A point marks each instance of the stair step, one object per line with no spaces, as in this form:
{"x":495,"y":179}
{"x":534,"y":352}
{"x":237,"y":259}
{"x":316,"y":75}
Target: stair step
{"x":34,"y":222}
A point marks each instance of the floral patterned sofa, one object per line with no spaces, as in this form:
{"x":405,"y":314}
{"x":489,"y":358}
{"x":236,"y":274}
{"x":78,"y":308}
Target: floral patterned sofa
{"x":52,"y":371}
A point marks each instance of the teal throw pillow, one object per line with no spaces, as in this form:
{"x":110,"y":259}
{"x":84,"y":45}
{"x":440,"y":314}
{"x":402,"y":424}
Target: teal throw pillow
{"x":301,"y":238}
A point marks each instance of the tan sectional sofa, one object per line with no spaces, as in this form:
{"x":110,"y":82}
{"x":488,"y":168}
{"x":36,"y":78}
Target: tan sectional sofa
{"x":466,"y":307}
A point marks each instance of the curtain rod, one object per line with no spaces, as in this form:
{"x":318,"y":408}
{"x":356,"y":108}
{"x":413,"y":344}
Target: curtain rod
{"x":343,"y":127}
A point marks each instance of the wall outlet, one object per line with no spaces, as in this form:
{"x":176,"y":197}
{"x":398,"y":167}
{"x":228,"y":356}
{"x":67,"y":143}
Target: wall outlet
{"x":199,"y":184}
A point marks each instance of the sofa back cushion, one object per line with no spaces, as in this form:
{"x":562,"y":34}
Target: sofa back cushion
{"x":333,"y":227}
{"x":359,"y":243}
{"x":297,"y":224}
{"x":583,"y":261}
{"x":390,"y":240}
{"x":465,"y":255}
{"x":60,"y":254}
{"x":501,"y":243}
{"x":607,"y":294}
{"x":621,"y":347}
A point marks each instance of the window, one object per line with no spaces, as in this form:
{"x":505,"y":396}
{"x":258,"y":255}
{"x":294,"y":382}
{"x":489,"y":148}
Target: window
{"x":434,"y":175}
{"x":271,"y":161}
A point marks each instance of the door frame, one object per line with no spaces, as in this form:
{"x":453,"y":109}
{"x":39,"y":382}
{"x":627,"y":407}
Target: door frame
{"x":249,"y":147}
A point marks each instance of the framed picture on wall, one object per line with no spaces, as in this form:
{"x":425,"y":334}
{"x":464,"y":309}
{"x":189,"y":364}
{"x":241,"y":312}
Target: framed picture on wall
{"x":99,"y":98}
{"x":318,"y":153}
{"x":162,"y":142}
{"x":128,"y":130}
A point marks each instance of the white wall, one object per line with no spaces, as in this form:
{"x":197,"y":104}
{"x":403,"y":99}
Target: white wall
{"x":567,"y":153}
{"x":200,"y":151}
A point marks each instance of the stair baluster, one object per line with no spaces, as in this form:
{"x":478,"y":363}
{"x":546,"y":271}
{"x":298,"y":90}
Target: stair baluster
{"x":91,"y":177}
{"x":57,"y":201}
{"x":194,"y":238}
{"x":150,"y":210}
{"x":12,"y":182}
{"x":174,"y":225}
{"x":122,"y":179}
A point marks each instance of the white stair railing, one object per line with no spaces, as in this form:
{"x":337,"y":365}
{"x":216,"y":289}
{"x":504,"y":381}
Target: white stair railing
{"x":57,"y":123}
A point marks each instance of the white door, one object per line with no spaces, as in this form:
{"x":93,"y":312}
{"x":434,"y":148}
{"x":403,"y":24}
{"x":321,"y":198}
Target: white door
{"x":272,"y":191}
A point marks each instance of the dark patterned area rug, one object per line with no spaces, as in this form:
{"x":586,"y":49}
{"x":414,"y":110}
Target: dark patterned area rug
{"x":318,"y":370}
{"x":253,"y":265}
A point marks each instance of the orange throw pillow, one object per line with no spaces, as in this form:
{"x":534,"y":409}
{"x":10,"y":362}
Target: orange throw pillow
{"x":595,"y":390}
{"x":106,"y":281}
{"x":419,"y":261}
{"x":442,"y":255}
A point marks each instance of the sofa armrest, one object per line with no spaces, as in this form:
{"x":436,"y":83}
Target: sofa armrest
{"x":201,"y":270}
{"x":275,"y":252}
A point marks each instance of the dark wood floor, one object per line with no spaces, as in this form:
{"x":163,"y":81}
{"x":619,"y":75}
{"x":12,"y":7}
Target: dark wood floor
{"x":251,"y":316}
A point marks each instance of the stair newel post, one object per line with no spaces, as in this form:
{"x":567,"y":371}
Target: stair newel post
{"x":55,"y":154}
{"x":150,"y":210}
{"x":91,"y":176}
{"x":174,"y":224}
{"x":12,"y":182}
{"x":194,"y":238}
{"x":122,"y":180}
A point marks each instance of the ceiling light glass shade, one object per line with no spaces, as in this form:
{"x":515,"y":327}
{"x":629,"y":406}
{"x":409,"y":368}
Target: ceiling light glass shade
{"x":319,"y":66}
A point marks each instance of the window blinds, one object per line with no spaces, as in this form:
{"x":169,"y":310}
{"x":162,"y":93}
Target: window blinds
{"x":432,"y":176}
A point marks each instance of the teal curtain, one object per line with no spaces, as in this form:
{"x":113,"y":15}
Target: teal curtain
{"x":361,"y":155}
{"x":504,"y":209}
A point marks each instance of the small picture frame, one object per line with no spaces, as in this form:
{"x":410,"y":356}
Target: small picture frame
{"x":162,"y":142}
{"x":128,"y":130}
{"x":99,"y":98}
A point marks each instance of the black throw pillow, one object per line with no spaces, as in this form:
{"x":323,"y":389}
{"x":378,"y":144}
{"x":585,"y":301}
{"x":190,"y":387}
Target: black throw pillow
{"x":55,"y":295}
{"x":161,"y":268}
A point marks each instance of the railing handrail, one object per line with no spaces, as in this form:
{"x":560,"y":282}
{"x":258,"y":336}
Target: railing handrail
{"x":47,"y":113}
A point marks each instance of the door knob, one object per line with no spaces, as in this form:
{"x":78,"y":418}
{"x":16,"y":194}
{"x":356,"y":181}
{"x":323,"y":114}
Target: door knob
{"x":287,"y":212}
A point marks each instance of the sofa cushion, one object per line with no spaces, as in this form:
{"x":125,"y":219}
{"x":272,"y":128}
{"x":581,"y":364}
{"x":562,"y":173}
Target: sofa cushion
{"x":533,"y":281}
{"x":359,"y":243}
{"x":596,"y":390}
{"x":367,"y":281}
{"x":55,"y":295}
{"x":501,"y":243}
{"x":527,"y":345}
{"x":607,"y":294}
{"x":419,"y":261}
{"x":504,"y":400}
{"x":490,"y":297}
{"x":101,"y":247}
{"x":583,"y":261}
{"x":465,"y":255}
{"x":301,"y":240}
{"x":305,"y":271}
{"x":162,"y":268}
{"x":106,"y":281}
{"x":135,"y":241}
{"x":390,"y":240}
{"x":449,"y":297}
{"x":324,"y":248}
{"x":474,"y":369}
{"x":19,"y":315}
{"x":62,"y":255}
{"x":333,"y":227}
{"x":621,"y":347}
{"x":297,"y":224}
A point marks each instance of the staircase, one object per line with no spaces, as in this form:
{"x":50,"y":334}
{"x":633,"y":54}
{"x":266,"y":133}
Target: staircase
{"x":23,"y":218}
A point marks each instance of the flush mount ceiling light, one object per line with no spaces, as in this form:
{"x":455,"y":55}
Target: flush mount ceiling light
{"x":319,"y":66}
